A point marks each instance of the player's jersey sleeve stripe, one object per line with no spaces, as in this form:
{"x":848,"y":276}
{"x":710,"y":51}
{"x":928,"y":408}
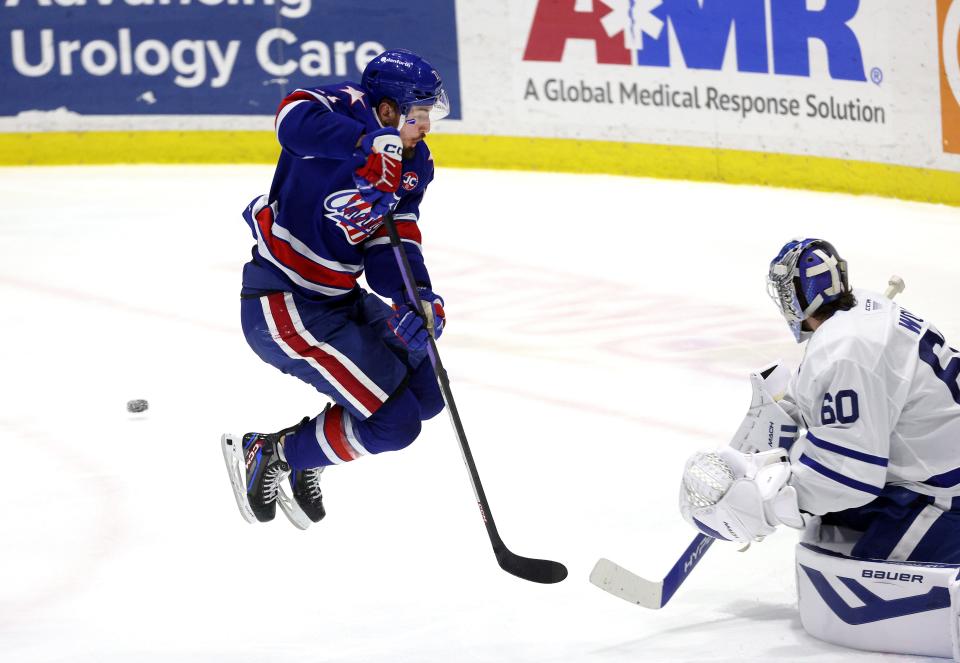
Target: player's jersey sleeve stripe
{"x":282,"y":113}
{"x":408,"y":231}
{"x":279,"y":232}
{"x":380,"y":241}
{"x":337,"y":369}
{"x":945,"y":480}
{"x":293,"y":99}
{"x":849,"y":453}
{"x":277,"y":246}
{"x":839,"y":478}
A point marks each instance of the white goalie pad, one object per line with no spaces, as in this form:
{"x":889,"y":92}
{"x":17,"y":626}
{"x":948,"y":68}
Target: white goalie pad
{"x":878,"y":605}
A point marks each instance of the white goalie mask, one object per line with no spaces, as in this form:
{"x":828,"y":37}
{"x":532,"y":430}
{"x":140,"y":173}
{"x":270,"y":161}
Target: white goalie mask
{"x":805,"y":275}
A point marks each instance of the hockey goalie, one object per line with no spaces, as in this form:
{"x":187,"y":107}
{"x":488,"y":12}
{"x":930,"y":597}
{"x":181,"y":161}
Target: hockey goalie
{"x":860,"y":449}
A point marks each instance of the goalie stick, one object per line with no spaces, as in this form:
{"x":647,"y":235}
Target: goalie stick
{"x":616,"y":580}
{"x":534,"y":570}
{"x":894,"y":287}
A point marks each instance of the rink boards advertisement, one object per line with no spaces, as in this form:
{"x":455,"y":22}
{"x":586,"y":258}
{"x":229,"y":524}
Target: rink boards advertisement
{"x":852,"y":81}
{"x":200,"y":57}
{"x":840,"y":78}
{"x":734,"y":65}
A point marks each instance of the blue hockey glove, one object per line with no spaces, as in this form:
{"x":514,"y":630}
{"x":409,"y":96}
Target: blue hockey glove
{"x":432,"y":305}
{"x":408,"y":327}
{"x":379,"y":161}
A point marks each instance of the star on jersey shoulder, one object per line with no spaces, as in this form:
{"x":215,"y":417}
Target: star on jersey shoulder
{"x":355,"y":95}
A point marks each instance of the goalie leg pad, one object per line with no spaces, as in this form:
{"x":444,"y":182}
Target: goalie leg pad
{"x":955,"y":617}
{"x":879,"y":605}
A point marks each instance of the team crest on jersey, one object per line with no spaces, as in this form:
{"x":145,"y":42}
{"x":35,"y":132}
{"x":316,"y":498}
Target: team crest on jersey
{"x":410,"y":180}
{"x":351,"y":213}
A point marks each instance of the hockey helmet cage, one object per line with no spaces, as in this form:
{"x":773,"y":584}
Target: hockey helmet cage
{"x":805,"y":275}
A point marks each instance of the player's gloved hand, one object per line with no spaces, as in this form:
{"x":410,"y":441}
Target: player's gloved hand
{"x":737,"y":496}
{"x":408,"y":327}
{"x":378,"y":162}
{"x":432,"y":304}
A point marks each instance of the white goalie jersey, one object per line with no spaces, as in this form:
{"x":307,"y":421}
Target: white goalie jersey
{"x":879,"y":395}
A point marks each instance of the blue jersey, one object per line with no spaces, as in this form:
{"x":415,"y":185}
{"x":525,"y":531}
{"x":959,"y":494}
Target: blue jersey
{"x":315,"y":235}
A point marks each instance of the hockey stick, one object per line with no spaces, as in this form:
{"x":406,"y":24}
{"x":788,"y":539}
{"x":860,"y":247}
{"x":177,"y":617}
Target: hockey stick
{"x":535,"y":570}
{"x":895,"y":287}
{"x":627,"y":585}
{"x":620,"y":582}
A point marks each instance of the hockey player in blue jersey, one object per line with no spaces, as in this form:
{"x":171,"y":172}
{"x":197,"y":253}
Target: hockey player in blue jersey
{"x":352,"y":153}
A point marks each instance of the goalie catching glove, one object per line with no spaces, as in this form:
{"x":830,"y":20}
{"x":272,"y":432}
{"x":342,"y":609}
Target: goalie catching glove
{"x":736,"y":496}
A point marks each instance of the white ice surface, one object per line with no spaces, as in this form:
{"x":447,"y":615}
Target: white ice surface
{"x":600,"y":330}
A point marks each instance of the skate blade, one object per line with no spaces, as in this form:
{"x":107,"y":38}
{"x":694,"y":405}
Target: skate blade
{"x":232,"y":448}
{"x":292,"y":510}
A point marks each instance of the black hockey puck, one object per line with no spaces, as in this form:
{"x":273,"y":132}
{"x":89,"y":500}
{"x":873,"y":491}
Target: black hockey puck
{"x":137,"y":405}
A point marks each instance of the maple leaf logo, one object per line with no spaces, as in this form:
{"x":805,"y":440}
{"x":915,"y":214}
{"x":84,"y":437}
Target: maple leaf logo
{"x":634,"y":18}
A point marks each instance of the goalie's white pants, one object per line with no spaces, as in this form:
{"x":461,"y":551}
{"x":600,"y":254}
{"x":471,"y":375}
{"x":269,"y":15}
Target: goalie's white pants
{"x":878,"y":605}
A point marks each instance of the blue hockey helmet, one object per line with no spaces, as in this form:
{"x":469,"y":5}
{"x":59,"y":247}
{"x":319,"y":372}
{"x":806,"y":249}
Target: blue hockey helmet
{"x":407,"y":79}
{"x":805,"y":275}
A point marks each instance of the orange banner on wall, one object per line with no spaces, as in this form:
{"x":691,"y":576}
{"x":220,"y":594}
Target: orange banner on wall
{"x":948,"y":23}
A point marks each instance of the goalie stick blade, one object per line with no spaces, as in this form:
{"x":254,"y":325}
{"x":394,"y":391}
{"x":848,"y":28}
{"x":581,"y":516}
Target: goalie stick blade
{"x":629,"y":586}
{"x":535,"y":570}
{"x":614,"y":579}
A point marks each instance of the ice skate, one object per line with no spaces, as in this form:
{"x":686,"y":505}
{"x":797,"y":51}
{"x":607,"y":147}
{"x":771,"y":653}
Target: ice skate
{"x":256,"y":467}
{"x":306,"y":504}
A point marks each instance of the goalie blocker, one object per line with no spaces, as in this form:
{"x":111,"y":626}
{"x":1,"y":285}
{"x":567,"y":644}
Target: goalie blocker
{"x":876,"y":605}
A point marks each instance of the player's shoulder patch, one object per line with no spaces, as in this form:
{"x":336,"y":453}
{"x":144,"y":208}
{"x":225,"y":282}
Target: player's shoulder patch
{"x":417,"y":170}
{"x":409,"y":180}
